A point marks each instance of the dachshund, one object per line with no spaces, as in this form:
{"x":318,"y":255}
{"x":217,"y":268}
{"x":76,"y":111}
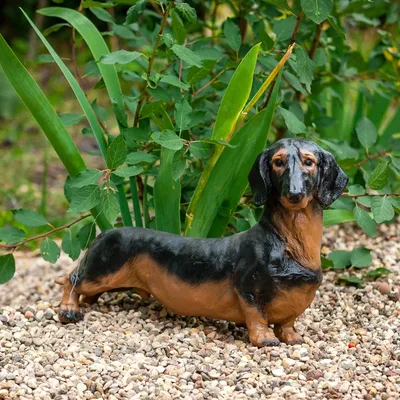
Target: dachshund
{"x":266,"y":275}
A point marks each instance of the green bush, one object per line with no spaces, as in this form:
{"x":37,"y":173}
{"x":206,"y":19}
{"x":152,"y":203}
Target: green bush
{"x":195,"y":92}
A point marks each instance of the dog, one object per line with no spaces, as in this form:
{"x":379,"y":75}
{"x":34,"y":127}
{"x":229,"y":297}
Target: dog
{"x":266,"y":275}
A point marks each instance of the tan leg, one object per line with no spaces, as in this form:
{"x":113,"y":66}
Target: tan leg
{"x":287,"y":334}
{"x":90,"y":300}
{"x":260,"y":334}
{"x":69,"y":307}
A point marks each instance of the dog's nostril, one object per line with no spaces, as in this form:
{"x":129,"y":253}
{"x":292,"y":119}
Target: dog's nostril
{"x":295,"y":197}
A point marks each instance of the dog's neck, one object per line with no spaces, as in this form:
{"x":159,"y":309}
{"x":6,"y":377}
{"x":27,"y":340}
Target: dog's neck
{"x":301,"y":230}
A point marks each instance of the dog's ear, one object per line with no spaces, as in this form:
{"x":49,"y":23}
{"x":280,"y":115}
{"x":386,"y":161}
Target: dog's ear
{"x":259,"y":179}
{"x":332,"y":179}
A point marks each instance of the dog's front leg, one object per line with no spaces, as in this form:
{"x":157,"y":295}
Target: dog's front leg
{"x":287,"y":334}
{"x":260,"y":334}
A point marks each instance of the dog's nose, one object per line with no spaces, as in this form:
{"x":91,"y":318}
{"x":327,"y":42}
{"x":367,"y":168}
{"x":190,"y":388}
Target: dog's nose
{"x":295,"y":197}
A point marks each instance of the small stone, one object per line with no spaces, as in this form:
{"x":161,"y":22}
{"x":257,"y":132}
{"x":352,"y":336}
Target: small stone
{"x":39,"y":315}
{"x":287,"y":363}
{"x":344,"y":387}
{"x":278,"y":372}
{"x":29,"y":314}
{"x":32,"y":383}
{"x":49,"y":314}
{"x":383,"y":287}
{"x":81,"y":387}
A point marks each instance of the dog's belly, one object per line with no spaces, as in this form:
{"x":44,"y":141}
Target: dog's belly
{"x":215,"y":299}
{"x":289,"y":303}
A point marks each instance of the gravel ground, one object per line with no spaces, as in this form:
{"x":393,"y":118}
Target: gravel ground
{"x":131,"y":349}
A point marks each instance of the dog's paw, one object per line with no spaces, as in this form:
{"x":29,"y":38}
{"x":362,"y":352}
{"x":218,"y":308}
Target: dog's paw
{"x":270,"y":342}
{"x":68,"y":315}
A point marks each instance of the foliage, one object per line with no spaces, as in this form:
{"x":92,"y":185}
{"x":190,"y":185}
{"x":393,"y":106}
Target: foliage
{"x":193,"y":98}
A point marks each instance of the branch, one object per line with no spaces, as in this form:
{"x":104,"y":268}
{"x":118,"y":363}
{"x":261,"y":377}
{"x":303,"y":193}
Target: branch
{"x":296,"y":28}
{"x":377,"y":155}
{"x":355,"y":196}
{"x":315,"y":42}
{"x":42,"y":235}
{"x":151,"y":61}
{"x":209,"y":83}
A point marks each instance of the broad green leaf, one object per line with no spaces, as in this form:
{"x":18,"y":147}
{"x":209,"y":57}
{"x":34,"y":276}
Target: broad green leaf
{"x":168,"y":40}
{"x":134,"y":11}
{"x":128,"y":171}
{"x":317,"y":10}
{"x":102,"y":14}
{"x":178,"y":166}
{"x":86,"y":235}
{"x":187,"y":55}
{"x":365,"y":201}
{"x":395,"y":162}
{"x":182,"y":115}
{"x":232,"y":34}
{"x":334,"y":217}
{"x":361,"y":257}
{"x":11,"y":235}
{"x":395,"y":202}
{"x":325,"y":263}
{"x":98,"y":48}
{"x":7,"y":268}
{"x":168,"y":139}
{"x":234,"y":100}
{"x":366,"y":132}
{"x":116,"y":152}
{"x":356,"y":189}
{"x":292,"y":122}
{"x":304,"y":67}
{"x":340,"y":258}
{"x":363,"y":219}
{"x":174,"y":81}
{"x":334,"y":23}
{"x":200,"y":150}
{"x":178,"y":28}
{"x":47,"y":118}
{"x":379,"y":176}
{"x":382,"y":209}
{"x":217,"y":141}
{"x":85,"y":178}
{"x":110,"y":205}
{"x":30,"y":218}
{"x":376,"y":273}
{"x":93,"y":3}
{"x":85,"y":198}
{"x":140,"y":156}
{"x":353,"y":280}
{"x":70,"y":245}
{"x":71,"y":119}
{"x":49,"y":250}
{"x":120,"y":57}
{"x":187,"y":12}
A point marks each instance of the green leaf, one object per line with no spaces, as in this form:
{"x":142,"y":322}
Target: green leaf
{"x":200,"y":150}
{"x":182,"y":115}
{"x":102,"y":14}
{"x":376,"y":273}
{"x":120,"y":57}
{"x":292,"y":122}
{"x":93,"y":3}
{"x":232,"y":34}
{"x":109,"y":202}
{"x":85,"y":198}
{"x":116,"y":152}
{"x":70,"y":245}
{"x":140,"y":156}
{"x":334,"y":217}
{"x":382,"y":209}
{"x":174,"y":81}
{"x":325,"y":263}
{"x":366,"y":132}
{"x":49,"y":250}
{"x":7,"y":268}
{"x":356,"y":189}
{"x":128,"y":171}
{"x":85,"y":178}
{"x":379,"y":176}
{"x":187,"y":55}
{"x":304,"y":67}
{"x":30,"y":218}
{"x":361,"y":257}
{"x":217,"y":141}
{"x":353,"y":280}
{"x":133,"y":13}
{"x":363,"y":219}
{"x":168,"y":139}
{"x":86,"y":235}
{"x":168,"y":40}
{"x":317,"y":10}
{"x":395,"y":161}
{"x":11,"y":235}
{"x":178,"y":28}
{"x":340,"y":258}
{"x":71,"y":119}
{"x":365,"y":201}
{"x":187,"y":12}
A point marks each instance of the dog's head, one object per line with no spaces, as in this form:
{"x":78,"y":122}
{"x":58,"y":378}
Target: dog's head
{"x":295,"y":171}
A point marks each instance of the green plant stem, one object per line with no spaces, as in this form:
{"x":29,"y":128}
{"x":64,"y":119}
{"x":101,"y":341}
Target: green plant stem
{"x":296,"y":28}
{"x":43,"y":203}
{"x":123,"y":203}
{"x":355,"y":196}
{"x":377,"y":155}
{"x":151,"y":61}
{"x":145,"y":205}
{"x":209,"y":83}
{"x":135,"y":201}
{"x":42,"y":235}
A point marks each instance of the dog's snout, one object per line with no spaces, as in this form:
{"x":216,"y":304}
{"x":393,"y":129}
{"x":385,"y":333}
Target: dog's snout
{"x":295,"y":197}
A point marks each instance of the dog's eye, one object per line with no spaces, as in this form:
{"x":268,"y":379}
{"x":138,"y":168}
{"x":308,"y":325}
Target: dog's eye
{"x":308,"y":163}
{"x":278,"y":163}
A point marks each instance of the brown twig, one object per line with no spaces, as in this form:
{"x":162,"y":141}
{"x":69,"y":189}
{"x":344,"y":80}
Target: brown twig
{"x":151,"y":61}
{"x":209,"y":83}
{"x":42,"y":235}
{"x":269,"y":95}
{"x":355,"y":196}
{"x":315,"y":42}
{"x":296,"y":28}
{"x":377,"y":155}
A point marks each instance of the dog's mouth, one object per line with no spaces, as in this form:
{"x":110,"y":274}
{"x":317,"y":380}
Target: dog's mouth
{"x":294,"y":204}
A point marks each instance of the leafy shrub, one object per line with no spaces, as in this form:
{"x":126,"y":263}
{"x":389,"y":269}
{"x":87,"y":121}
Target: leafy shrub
{"x":199,"y":97}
